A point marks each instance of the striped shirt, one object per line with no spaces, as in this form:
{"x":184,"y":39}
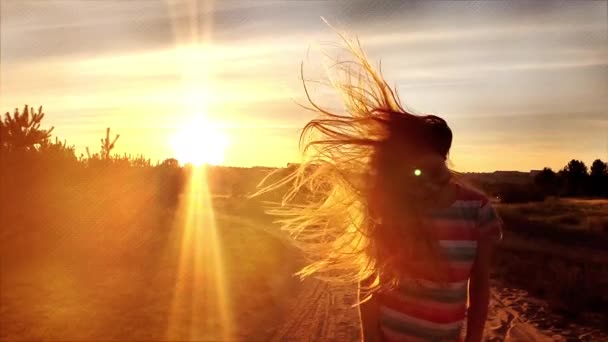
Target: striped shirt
{"x":428,"y":311}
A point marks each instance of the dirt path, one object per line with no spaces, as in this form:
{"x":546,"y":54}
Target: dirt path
{"x":96,"y":284}
{"x":506,"y":324}
{"x":318,"y":312}
{"x":321,"y":313}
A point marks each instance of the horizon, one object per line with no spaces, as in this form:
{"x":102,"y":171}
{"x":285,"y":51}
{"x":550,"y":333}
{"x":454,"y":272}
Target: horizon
{"x":522,"y":85}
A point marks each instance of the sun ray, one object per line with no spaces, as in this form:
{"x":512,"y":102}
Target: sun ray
{"x":200,"y":294}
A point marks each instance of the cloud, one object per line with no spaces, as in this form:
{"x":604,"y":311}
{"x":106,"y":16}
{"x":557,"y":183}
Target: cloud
{"x":498,"y":71}
{"x":67,"y":28}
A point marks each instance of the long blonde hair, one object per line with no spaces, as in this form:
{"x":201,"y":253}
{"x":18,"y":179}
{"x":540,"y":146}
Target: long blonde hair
{"x":343,"y":208}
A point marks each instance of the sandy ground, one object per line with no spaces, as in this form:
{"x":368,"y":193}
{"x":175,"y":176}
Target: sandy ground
{"x":320,"y":312}
{"x":534,"y":315}
{"x":148,"y":285}
{"x":323,"y":313}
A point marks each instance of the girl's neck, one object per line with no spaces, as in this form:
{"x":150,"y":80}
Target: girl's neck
{"x":446,"y":198}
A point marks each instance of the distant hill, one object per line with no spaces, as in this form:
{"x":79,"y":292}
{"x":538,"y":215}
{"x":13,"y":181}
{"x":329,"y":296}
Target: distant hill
{"x":511,"y":177}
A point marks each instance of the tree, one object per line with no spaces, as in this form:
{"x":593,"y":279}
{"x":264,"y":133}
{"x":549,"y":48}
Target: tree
{"x":170,"y":163}
{"x":58,"y":151}
{"x":547,"y":181}
{"x":599,"y":168}
{"x":576,"y":169}
{"x":106,"y":145}
{"x":21,"y":131}
{"x":599,"y":178}
{"x":575,"y":175}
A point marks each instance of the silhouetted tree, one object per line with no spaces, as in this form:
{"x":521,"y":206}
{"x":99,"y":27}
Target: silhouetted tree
{"x":58,"y":151}
{"x":170,"y":182}
{"x":599,"y":168}
{"x":104,"y":156}
{"x":576,"y":169}
{"x":575,"y":176}
{"x":547,"y":181}
{"x":106,"y":145}
{"x":599,"y":178}
{"x":21,"y":131}
{"x":170,"y":162}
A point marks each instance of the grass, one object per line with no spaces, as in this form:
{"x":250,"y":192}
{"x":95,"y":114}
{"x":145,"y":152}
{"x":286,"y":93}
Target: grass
{"x":571,"y":222}
{"x":558,"y":250}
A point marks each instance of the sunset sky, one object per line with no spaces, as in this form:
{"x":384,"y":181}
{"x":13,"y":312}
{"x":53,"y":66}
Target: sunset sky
{"x":522,"y":84}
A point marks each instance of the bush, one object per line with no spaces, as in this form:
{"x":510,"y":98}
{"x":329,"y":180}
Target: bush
{"x":515,"y":193}
{"x":570,"y":286}
{"x":570,"y":229}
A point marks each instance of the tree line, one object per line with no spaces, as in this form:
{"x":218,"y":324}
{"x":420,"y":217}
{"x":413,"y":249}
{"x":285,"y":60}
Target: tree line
{"x":574,"y":180}
{"x":21,"y":135}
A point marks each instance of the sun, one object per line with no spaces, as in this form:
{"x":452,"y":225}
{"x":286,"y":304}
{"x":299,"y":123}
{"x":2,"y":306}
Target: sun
{"x":199,"y":142}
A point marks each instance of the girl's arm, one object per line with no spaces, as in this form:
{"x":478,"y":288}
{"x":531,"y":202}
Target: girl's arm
{"x":479,"y":292}
{"x":368,"y":313}
{"x":490,"y":231}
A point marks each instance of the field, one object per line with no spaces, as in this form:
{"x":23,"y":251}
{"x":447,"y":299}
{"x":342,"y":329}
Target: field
{"x":576,"y":222}
{"x":114,"y":255}
{"x":557,"y":250}
{"x":88,"y":285}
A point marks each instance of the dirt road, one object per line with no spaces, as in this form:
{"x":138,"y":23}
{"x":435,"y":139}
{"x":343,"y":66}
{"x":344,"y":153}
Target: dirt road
{"x":321,"y":313}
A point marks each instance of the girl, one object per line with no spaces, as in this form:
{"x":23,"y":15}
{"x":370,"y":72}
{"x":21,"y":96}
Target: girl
{"x":374,"y":204}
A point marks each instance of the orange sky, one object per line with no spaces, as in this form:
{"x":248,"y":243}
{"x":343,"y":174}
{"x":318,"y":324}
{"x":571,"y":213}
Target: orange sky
{"x":523,"y":85}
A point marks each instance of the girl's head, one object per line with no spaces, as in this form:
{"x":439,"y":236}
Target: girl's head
{"x":413,"y":155}
{"x":368,"y":175}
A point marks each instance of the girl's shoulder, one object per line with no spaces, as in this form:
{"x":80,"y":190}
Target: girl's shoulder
{"x":471,"y":196}
{"x":478,"y":207}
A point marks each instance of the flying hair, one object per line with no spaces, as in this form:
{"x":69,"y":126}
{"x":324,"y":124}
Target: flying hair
{"x":343,"y":209}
